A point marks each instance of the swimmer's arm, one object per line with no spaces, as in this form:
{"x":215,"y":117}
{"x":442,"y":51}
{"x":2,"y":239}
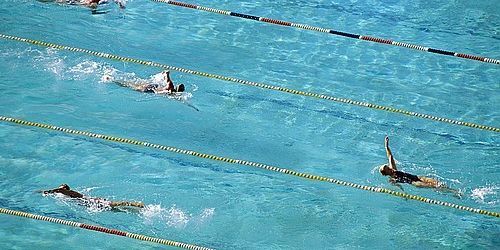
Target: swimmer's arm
{"x":162,"y":91}
{"x":120,"y":3}
{"x":170,"y":83}
{"x":130,"y":85}
{"x":390,"y":157}
{"x":123,"y":84}
{"x":49,"y":191}
{"x":395,"y":183}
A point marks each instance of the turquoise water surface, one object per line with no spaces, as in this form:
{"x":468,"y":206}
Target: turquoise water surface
{"x":227,"y":206}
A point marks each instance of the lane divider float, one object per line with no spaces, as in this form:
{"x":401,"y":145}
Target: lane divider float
{"x":251,"y":164}
{"x":255,"y":84}
{"x":102,"y":229}
{"x":332,"y":32}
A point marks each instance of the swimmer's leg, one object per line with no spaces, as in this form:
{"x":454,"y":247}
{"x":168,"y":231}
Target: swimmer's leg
{"x":445,"y":189}
{"x":114,"y":204}
{"x":426,"y":182}
{"x":129,"y":84}
{"x":439,"y":186}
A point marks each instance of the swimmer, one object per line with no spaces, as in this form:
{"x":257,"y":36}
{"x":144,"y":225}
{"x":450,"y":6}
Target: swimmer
{"x":88,"y":3}
{"x":94,"y":3}
{"x":169,"y":89}
{"x":65,"y":190}
{"x":396,"y":177}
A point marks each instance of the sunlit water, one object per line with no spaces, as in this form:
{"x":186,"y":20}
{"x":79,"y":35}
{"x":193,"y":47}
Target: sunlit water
{"x":236,"y":207}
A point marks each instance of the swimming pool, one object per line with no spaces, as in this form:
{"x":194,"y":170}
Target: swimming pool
{"x":227,"y":206}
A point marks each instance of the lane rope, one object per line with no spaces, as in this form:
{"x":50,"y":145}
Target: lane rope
{"x":331,"y":32}
{"x":102,"y":229}
{"x":255,"y":84}
{"x":251,"y":164}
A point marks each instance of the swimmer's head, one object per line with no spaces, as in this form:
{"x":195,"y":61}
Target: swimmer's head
{"x":64,"y":186}
{"x":385,"y":170}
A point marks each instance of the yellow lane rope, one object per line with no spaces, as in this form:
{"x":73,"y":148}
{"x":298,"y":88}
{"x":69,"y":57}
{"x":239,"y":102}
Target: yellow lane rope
{"x":249,"y":163}
{"x":102,"y":229}
{"x":255,"y":84}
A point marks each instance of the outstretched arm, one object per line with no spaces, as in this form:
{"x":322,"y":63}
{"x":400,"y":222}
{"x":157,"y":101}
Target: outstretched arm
{"x":170,"y":84}
{"x":392,"y":162}
{"x":133,"y":85}
{"x":48,"y":191}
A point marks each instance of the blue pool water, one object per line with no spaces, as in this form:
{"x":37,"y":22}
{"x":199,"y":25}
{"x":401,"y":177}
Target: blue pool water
{"x":228,"y":206}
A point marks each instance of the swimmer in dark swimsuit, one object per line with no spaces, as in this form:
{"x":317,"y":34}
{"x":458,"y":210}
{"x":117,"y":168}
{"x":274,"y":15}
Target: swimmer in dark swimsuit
{"x":396,"y":177}
{"x":65,"y":190}
{"x":170,"y":88}
{"x":94,"y":3}
{"x":88,"y":3}
{"x":153,"y":87}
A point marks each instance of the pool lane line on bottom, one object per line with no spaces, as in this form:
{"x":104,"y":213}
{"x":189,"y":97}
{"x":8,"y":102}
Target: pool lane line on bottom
{"x":251,"y":164}
{"x":255,"y":84}
{"x":103,"y":229}
{"x":331,"y":32}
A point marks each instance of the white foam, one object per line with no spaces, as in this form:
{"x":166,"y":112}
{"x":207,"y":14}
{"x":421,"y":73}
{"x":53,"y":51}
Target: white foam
{"x":174,"y":216}
{"x":482,"y":194}
{"x":195,"y":88}
{"x":85,"y":69}
{"x":157,"y":78}
{"x":151,"y":213}
{"x":207,"y":213}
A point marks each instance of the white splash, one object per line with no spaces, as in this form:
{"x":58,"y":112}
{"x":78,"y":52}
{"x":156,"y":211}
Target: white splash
{"x":482,"y":194}
{"x":173,"y":216}
{"x":157,"y":78}
{"x":151,"y":213}
{"x":85,"y":69}
{"x":207,"y":213}
{"x":48,"y":60}
{"x":89,"y":189}
{"x":176,"y":217}
{"x":195,"y":88}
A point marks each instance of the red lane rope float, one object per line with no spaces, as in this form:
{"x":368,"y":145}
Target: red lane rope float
{"x":330,"y":31}
{"x":253,"y":84}
{"x":251,"y":164}
{"x":102,"y":229}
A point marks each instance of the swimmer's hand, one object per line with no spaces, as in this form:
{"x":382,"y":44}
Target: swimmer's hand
{"x":395,"y":183}
{"x":43,"y":192}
